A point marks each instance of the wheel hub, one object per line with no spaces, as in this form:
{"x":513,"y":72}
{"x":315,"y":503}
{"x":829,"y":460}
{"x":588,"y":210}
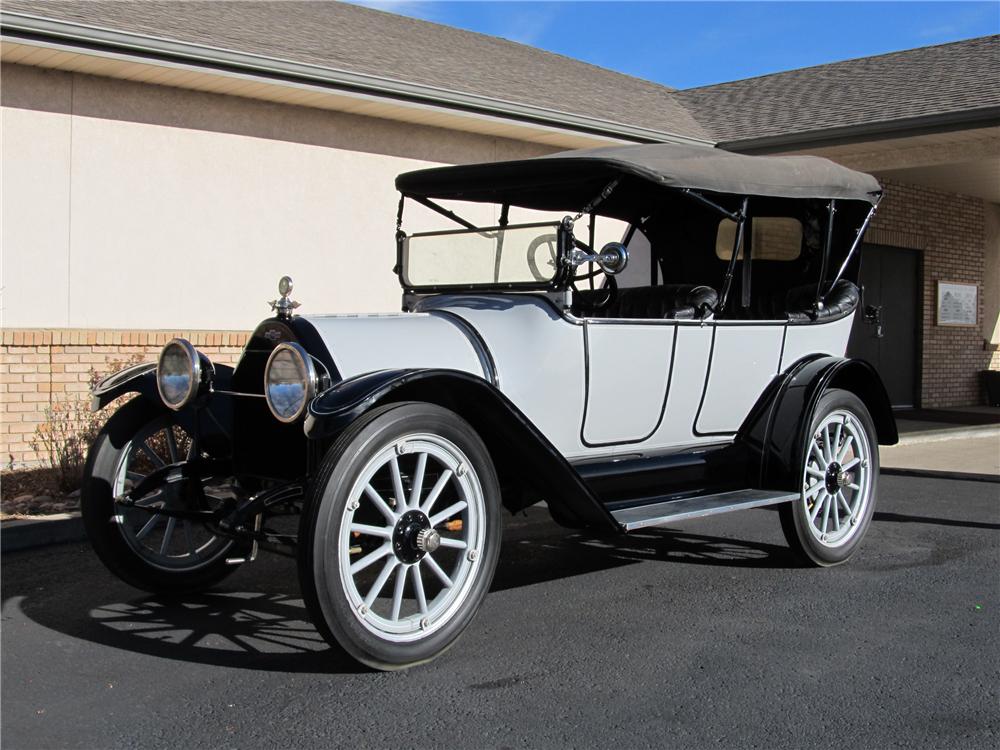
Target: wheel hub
{"x":833,"y":473}
{"x":836,"y":478}
{"x":428,"y":540}
{"x":413,"y":537}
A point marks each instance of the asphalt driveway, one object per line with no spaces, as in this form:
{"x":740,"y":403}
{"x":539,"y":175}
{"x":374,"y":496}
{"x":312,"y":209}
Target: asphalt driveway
{"x":703,"y":635}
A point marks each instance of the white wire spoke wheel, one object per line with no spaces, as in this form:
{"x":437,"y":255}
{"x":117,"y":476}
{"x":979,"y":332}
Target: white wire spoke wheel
{"x":408,"y":555}
{"x":836,"y":483}
{"x":402,"y":534}
{"x":143,"y":547}
{"x":839,"y":482}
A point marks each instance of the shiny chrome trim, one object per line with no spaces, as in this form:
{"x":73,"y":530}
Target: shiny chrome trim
{"x":284,"y":307}
{"x":611,"y":260}
{"x":195,"y":367}
{"x":312,"y":379}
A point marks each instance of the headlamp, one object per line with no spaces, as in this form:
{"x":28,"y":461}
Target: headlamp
{"x":290,"y":381}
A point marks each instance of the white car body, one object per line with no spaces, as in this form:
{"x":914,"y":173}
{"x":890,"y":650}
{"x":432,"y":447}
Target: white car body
{"x":593,"y":387}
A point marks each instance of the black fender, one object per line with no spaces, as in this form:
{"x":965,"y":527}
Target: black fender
{"x":141,"y":379}
{"x":775,"y":431}
{"x":530,"y":468}
{"x":216,"y":429}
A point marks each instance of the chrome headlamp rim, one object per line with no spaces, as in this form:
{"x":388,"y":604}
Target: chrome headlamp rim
{"x":194,"y":362}
{"x":311,"y":380}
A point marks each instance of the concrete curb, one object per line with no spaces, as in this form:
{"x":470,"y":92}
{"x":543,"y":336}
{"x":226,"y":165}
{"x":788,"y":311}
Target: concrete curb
{"x":55,"y":529}
{"x":934,"y":474}
{"x":949,"y":433}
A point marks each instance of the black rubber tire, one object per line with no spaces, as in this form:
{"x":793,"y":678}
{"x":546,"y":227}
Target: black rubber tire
{"x":98,"y":510}
{"x":324,"y":507}
{"x":794,"y":518}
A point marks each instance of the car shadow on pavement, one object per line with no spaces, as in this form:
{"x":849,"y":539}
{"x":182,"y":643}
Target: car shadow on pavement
{"x":528,"y":557}
{"x":260,"y":622}
{"x":246,"y":630}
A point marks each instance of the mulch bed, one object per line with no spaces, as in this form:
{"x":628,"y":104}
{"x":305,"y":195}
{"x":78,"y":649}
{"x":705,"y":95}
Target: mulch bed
{"x":28,"y":493}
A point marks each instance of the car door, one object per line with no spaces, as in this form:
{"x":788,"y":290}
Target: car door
{"x":746,"y":352}
{"x":628,"y":374}
{"x":630,"y":366}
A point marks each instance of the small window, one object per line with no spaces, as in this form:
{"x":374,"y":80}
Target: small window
{"x":773,"y":238}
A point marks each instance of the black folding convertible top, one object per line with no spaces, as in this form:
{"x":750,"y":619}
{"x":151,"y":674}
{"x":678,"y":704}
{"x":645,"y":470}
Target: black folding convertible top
{"x":569,"y":180}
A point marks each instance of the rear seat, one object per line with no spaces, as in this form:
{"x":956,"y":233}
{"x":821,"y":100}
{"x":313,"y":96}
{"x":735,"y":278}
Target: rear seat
{"x":843,"y":298}
{"x":796,"y":304}
{"x":667,"y":302}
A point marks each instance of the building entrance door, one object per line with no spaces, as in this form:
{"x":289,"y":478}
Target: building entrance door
{"x":887,"y":325}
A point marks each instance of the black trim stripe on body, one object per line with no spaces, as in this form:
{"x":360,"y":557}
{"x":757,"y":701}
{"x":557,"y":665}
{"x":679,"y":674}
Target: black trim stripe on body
{"x":586,"y":392}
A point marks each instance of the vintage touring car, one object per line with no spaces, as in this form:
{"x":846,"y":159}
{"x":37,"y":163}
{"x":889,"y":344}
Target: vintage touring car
{"x":694,"y":367}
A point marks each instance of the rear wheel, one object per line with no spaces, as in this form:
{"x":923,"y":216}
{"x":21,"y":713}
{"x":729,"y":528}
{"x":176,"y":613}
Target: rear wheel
{"x":143,"y":547}
{"x":839,"y":482}
{"x":400,"y":535}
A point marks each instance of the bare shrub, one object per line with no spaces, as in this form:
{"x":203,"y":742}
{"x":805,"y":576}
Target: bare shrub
{"x":70,"y":427}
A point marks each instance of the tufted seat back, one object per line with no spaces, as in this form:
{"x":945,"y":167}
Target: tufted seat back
{"x":796,"y":304}
{"x":843,"y":298}
{"x":667,"y":302}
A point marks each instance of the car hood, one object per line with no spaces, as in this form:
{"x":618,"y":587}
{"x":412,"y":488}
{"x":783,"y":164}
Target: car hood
{"x":366,"y":343}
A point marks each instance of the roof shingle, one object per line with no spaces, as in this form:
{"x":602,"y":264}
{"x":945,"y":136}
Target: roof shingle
{"x":942,"y":79}
{"x":945,"y":79}
{"x":361,"y":40}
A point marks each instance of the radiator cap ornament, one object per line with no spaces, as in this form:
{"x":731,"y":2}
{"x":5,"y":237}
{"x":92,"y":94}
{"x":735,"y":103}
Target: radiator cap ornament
{"x":283,"y":307}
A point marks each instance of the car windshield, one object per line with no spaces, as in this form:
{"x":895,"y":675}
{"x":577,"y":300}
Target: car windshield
{"x":525,"y":254}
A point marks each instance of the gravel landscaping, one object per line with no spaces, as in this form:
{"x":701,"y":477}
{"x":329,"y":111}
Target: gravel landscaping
{"x":30,"y":493}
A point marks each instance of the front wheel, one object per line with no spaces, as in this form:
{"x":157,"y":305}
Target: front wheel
{"x":143,"y":547}
{"x":400,"y":535}
{"x":839,"y":482}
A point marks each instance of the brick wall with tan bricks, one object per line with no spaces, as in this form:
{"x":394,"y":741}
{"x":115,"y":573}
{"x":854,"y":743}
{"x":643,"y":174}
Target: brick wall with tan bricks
{"x":40,"y":368}
{"x":948,"y":231}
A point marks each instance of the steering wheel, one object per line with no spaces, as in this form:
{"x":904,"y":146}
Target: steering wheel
{"x":551,"y":243}
{"x":610,"y":286}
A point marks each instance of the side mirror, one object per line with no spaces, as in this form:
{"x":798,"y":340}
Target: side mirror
{"x":613,"y":258}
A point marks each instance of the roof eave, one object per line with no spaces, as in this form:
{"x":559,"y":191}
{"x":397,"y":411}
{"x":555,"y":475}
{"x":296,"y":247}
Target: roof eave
{"x":870,"y":131}
{"x":29,"y":28}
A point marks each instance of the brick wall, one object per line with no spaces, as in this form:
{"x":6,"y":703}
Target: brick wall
{"x":948,"y":231}
{"x":40,"y":368}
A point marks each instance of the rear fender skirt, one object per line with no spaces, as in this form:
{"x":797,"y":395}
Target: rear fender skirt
{"x":775,"y":430}
{"x":525,"y":460}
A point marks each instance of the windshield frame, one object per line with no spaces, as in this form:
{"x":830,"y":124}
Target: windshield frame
{"x":560,"y":281}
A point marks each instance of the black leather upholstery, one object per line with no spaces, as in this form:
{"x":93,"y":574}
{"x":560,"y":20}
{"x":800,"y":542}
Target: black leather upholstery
{"x":668,"y":302}
{"x":796,"y":305}
{"x":800,"y":302}
{"x":839,"y":301}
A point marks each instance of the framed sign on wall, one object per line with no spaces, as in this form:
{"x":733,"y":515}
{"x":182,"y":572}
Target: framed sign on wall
{"x":957,"y":304}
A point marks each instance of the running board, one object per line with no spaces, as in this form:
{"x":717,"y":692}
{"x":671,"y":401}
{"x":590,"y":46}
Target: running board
{"x":662,"y":513}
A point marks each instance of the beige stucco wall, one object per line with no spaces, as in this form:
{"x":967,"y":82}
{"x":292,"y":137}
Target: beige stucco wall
{"x":129,"y":205}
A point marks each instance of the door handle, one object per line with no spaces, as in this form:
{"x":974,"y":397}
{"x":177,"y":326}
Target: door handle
{"x":873,"y":316}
